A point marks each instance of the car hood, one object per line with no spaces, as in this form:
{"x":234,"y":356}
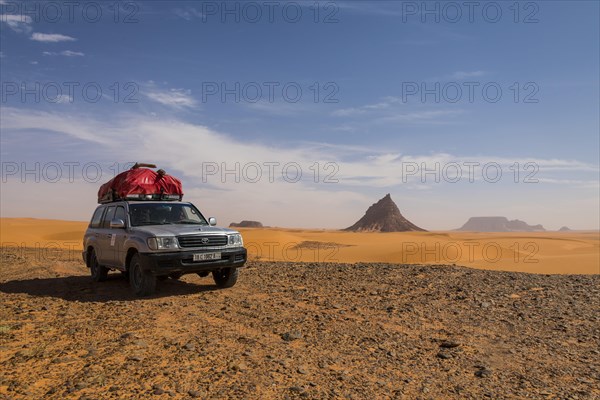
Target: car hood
{"x":178,"y":230}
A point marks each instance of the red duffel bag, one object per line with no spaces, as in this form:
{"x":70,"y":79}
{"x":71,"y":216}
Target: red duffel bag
{"x":141,"y":183}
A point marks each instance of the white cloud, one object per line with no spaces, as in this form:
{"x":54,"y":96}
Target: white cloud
{"x":66,"y":53}
{"x":353,"y":111}
{"x":420,"y":116}
{"x":18,"y":23}
{"x":186,"y":149}
{"x":51,"y":37}
{"x":460,"y":75}
{"x":174,"y":98}
{"x":279,"y":108}
{"x":188,"y":13}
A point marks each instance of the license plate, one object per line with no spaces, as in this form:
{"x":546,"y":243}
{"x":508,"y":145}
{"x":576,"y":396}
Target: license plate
{"x":207,"y":256}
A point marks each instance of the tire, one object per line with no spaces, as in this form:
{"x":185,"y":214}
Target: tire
{"x":226,"y":277}
{"x":142,"y":283}
{"x":99,"y":272}
{"x":162,"y":278}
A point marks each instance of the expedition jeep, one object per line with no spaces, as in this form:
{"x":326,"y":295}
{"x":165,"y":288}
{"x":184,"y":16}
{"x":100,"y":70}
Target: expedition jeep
{"x":154,"y":240}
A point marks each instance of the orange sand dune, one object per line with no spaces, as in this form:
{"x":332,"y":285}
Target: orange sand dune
{"x":543,"y":252}
{"x":539,"y":252}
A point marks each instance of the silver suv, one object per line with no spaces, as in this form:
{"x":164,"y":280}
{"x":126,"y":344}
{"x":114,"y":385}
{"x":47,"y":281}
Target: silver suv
{"x":155,"y":240}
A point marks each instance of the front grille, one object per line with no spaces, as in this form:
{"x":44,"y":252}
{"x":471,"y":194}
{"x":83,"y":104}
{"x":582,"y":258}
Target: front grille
{"x":202,"y":240}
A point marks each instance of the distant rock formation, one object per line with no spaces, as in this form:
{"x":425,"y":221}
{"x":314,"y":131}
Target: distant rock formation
{"x":246,"y":224}
{"x":498,"y":224}
{"x":565,"y":229}
{"x":383,"y":216}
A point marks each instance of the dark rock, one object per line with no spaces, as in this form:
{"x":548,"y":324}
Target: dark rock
{"x":483,"y":373}
{"x":449,"y":344}
{"x":246,"y":224}
{"x":290,"y":336}
{"x":383,"y":216}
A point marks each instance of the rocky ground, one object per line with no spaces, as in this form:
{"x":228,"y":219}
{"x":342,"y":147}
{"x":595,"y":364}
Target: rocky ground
{"x":298,"y":331}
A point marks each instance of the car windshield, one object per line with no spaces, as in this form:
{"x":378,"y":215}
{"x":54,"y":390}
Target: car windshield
{"x":164,"y":214}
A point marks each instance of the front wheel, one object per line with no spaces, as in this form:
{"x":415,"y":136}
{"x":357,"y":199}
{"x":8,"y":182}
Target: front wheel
{"x":226,"y":277}
{"x":99,"y":272}
{"x":142,"y":283}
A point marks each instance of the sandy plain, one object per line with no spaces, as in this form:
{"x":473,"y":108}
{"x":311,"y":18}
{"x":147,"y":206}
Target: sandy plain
{"x":576,"y":252}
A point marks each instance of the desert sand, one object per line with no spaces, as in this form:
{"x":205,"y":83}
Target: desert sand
{"x":316,"y":330}
{"x":574,"y":252}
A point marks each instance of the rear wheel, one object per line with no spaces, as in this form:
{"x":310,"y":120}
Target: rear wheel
{"x":226,"y":277}
{"x":143,"y":283}
{"x":99,"y":272}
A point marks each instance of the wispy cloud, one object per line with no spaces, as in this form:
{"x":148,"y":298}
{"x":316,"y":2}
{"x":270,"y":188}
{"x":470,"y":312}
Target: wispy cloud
{"x":51,"y":37}
{"x":66,"y":53}
{"x":173,"y":98}
{"x":18,"y":23}
{"x":460,"y":75}
{"x":420,"y":116}
{"x":187,"y":13}
{"x":278,"y":108}
{"x":359,"y":171}
{"x":353,"y":111}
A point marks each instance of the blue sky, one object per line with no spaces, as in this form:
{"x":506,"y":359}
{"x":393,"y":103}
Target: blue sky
{"x":360,"y":116}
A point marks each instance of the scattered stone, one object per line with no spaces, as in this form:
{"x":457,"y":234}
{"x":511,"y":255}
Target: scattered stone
{"x":189,"y":346}
{"x":135,"y":357}
{"x":290,"y":336}
{"x":449,"y":344}
{"x":158,"y":390}
{"x":302,"y":370}
{"x":238,"y":366}
{"x":443,"y":355}
{"x":194,"y":394}
{"x":483,"y":373}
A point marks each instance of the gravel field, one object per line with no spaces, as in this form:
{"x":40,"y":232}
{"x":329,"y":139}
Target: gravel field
{"x":298,"y":330}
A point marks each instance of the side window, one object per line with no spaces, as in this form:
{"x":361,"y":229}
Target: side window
{"x":97,"y":218}
{"x":110,"y":211}
{"x":120,"y":214}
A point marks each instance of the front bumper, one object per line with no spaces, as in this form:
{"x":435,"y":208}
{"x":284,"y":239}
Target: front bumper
{"x":182,"y":261}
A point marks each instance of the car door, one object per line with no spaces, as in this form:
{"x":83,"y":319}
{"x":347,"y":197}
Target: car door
{"x":104,"y":237}
{"x":120,"y":234}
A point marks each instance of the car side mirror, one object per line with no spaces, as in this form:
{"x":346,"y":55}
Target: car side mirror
{"x":117,"y":224}
{"x":212,"y":221}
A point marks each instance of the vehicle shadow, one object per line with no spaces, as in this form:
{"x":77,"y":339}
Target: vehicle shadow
{"x":83,"y":289}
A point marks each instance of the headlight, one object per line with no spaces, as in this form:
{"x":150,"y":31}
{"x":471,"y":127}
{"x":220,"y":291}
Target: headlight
{"x":162,"y":243}
{"x":235,"y":240}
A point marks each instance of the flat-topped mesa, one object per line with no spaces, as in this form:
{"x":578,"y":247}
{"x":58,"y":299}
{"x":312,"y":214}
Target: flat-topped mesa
{"x":246,"y":224}
{"x":499,"y":224}
{"x":383,"y":216}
